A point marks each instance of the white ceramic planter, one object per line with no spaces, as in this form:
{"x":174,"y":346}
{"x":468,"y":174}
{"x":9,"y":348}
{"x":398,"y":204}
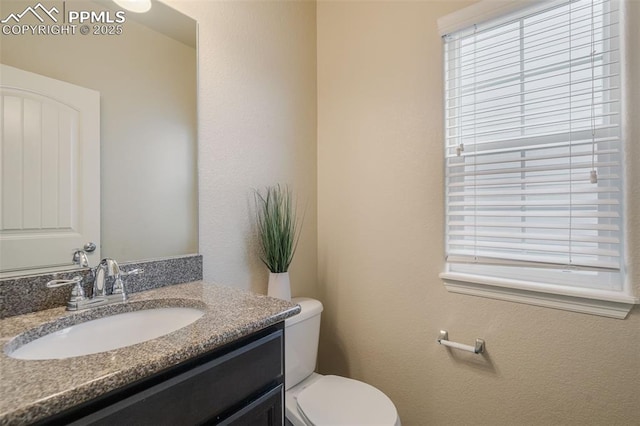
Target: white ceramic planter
{"x":279,"y":285}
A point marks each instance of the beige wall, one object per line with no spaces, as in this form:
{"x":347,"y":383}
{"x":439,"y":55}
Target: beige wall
{"x":380,"y":249}
{"x":147,"y":85}
{"x":257,"y":127}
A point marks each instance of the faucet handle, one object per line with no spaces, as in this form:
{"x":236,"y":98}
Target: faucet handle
{"x":118,"y":288}
{"x":118,"y":285}
{"x":137,"y":271}
{"x":77,"y":294}
{"x":59,"y":283}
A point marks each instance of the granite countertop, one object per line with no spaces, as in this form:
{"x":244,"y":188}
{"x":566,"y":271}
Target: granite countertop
{"x":33,"y":390}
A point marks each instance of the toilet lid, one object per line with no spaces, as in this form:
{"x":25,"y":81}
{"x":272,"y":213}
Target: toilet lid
{"x":334,"y":400}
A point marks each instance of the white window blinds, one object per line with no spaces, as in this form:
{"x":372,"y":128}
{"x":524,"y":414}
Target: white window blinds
{"x":533,"y":146}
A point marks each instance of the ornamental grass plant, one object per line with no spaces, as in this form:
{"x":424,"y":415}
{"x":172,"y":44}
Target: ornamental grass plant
{"x":278,"y":227}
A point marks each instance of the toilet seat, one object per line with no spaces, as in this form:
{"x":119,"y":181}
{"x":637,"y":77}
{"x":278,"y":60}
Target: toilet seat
{"x":335,"y":400}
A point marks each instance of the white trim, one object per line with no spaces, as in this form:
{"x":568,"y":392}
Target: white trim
{"x":629,"y":107}
{"x":484,"y":11}
{"x":478,"y":13}
{"x":611,"y":305}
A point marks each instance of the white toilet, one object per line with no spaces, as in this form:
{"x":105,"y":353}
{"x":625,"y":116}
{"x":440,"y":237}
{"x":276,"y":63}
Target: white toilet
{"x":312,"y":399}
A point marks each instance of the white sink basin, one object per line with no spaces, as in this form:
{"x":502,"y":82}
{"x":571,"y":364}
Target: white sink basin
{"x":107,"y":333}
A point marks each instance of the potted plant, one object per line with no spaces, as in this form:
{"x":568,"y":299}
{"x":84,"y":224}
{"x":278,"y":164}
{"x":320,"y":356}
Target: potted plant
{"x":278,"y":234}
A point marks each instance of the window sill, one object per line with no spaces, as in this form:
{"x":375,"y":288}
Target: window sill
{"x":607,"y":304}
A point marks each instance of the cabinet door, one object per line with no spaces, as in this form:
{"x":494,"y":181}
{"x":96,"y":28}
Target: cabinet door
{"x":268,"y":410}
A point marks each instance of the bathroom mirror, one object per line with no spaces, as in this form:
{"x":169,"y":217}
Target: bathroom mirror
{"x":145,"y":69}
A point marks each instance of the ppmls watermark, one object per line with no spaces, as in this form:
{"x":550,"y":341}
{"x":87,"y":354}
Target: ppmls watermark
{"x":57,"y":20}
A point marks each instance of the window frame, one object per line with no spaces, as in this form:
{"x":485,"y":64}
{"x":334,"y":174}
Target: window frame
{"x":614,"y":304}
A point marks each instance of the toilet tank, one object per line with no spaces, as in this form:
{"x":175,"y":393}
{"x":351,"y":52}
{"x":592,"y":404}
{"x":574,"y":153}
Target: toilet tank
{"x":301,"y":341}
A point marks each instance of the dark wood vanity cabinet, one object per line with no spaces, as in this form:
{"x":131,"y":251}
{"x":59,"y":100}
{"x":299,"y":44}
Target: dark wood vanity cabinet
{"x":241,"y":383}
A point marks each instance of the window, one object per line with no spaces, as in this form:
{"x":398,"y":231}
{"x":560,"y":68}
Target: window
{"x":534,"y":158}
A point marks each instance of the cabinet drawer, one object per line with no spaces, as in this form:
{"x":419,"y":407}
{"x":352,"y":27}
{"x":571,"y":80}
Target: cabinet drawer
{"x":204,"y":392}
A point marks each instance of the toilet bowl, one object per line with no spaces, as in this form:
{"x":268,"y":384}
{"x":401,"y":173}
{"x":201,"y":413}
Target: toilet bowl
{"x":312,"y":399}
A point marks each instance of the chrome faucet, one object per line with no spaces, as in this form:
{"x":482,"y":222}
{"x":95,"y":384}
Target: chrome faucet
{"x":106,"y":268}
{"x":108,"y":287}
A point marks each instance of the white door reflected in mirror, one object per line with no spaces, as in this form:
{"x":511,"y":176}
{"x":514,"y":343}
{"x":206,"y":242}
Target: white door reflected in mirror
{"x":50,"y":180}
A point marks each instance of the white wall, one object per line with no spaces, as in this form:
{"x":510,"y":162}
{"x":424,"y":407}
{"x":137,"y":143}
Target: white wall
{"x":257,"y":127}
{"x":380,"y":249}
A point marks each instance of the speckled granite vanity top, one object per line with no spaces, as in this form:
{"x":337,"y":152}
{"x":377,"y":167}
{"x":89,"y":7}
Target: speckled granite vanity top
{"x":32,"y":390}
